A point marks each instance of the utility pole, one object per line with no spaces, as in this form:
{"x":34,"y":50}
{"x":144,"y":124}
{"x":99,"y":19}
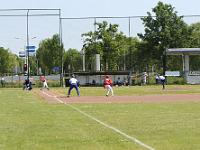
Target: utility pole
{"x":27,"y":43}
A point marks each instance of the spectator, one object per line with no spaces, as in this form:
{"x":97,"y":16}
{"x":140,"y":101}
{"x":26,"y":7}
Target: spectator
{"x":144,"y":78}
{"x":119,"y":82}
{"x":93,"y":82}
{"x":126,"y":82}
{"x":2,"y":81}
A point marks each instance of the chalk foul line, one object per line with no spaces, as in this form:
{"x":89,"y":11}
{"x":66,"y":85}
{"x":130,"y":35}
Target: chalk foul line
{"x":133,"y":139}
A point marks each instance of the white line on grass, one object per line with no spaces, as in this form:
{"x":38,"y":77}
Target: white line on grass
{"x":104,"y":124}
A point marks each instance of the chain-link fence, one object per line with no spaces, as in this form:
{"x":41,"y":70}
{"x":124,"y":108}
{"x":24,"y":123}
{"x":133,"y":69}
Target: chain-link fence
{"x":45,"y":23}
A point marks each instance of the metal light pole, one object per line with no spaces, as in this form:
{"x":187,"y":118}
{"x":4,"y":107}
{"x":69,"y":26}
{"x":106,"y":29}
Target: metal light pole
{"x":61,"y":47}
{"x":129,"y":49}
{"x":27,"y":43}
{"x":164,"y":61}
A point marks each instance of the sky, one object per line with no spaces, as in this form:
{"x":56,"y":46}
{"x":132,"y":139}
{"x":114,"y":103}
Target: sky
{"x":13,"y":29}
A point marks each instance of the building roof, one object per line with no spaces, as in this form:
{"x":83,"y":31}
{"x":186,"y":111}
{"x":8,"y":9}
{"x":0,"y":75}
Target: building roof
{"x":183,"y":51}
{"x":85,"y":73}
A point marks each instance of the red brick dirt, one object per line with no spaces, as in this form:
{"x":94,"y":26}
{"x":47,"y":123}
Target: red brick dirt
{"x":51,"y":97}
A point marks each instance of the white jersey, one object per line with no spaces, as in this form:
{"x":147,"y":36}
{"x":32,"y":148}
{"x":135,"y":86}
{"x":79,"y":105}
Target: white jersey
{"x":73,"y":81}
{"x":162,"y":77}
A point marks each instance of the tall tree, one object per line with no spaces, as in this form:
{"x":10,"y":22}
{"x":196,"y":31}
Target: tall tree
{"x":50,"y":53}
{"x":195,"y":43}
{"x":9,"y":62}
{"x":13,"y":64}
{"x":4,"y":60}
{"x":72,"y":60}
{"x":195,"y":35}
{"x":164,"y":30}
{"x":106,"y":41}
{"x":106,"y":35}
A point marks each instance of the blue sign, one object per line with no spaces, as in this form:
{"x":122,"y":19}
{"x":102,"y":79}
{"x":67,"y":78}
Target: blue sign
{"x":56,"y":69}
{"x":30,"y":49}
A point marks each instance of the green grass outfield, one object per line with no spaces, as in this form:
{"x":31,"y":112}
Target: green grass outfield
{"x":28,"y":122}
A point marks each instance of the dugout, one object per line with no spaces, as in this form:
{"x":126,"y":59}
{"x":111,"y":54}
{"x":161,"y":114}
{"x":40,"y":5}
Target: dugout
{"x":96,"y":78}
{"x":191,"y":77}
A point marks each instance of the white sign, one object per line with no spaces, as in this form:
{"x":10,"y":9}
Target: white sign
{"x":194,"y":73}
{"x":22,"y":54}
{"x":172,"y":73}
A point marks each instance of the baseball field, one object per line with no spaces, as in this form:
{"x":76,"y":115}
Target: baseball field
{"x":136,"y":118}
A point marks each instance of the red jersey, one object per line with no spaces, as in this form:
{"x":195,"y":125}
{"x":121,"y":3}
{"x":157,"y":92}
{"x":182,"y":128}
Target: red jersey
{"x":107,"y":81}
{"x":42,"y":78}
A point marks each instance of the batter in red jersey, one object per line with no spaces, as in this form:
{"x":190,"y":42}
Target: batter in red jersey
{"x":108,"y":85}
